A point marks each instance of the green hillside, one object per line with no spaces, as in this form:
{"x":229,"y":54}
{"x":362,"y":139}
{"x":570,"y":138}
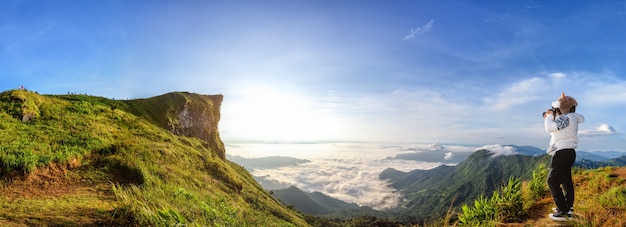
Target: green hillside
{"x":431,"y":193}
{"x":300,"y":200}
{"x":322,"y":205}
{"x":77,"y":160}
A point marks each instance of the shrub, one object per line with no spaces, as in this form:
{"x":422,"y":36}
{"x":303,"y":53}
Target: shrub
{"x":505,"y":205}
{"x":20,"y":160}
{"x":482,"y":212}
{"x":537,"y":185}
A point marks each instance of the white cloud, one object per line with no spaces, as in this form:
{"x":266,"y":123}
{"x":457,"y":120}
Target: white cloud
{"x":558,"y":75}
{"x":517,"y":94}
{"x":499,"y":150}
{"x":427,"y":147}
{"x":420,"y":30}
{"x":612,"y":93}
{"x":601,"y":130}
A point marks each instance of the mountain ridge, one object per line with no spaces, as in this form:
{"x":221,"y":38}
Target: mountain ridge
{"x":320,"y":204}
{"x":266,"y":162}
{"x":435,"y":191}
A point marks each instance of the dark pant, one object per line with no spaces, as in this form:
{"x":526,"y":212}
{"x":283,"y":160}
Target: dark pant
{"x":561,"y":176}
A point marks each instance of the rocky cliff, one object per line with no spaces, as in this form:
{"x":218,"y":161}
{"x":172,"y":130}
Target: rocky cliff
{"x":183,"y":113}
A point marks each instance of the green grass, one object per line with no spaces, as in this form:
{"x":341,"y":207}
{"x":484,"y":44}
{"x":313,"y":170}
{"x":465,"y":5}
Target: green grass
{"x":505,"y":205}
{"x":154,"y":177}
{"x":537,"y":187}
{"x":614,"y":197}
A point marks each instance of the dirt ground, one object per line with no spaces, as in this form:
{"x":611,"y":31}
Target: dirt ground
{"x":56,"y":194}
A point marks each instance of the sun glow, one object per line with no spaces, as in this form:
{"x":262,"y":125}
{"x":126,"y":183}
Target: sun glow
{"x":270,"y":114}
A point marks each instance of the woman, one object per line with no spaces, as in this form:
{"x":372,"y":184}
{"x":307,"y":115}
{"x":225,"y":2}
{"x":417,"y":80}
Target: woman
{"x":563,"y":128}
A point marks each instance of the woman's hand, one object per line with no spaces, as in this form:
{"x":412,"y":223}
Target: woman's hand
{"x":548,"y":112}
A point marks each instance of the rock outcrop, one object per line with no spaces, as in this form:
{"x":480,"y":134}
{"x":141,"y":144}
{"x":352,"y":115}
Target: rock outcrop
{"x":187,"y":114}
{"x":22,"y":104}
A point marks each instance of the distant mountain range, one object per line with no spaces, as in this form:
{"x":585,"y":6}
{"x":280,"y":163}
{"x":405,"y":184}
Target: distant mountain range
{"x":441,"y":154}
{"x":438,"y":153}
{"x":589,"y":164}
{"x":265,"y":162}
{"x":433,"y":155}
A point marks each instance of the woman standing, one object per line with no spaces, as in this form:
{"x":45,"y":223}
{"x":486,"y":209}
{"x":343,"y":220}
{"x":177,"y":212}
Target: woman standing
{"x":562,"y":123}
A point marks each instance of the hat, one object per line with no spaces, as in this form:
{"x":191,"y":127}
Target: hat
{"x":565,"y":103}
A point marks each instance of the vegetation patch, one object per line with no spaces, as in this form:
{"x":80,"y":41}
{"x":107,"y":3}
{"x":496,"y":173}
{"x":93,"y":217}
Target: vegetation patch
{"x":600,"y":196}
{"x":505,"y":205}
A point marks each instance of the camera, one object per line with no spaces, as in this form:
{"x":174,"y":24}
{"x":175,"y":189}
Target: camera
{"x":555,"y":111}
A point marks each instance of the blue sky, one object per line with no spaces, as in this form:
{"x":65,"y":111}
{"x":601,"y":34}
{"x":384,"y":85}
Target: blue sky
{"x":457,"y":72}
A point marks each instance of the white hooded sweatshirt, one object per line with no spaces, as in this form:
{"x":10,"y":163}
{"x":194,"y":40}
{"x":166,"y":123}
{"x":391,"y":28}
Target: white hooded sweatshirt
{"x":564,"y":131}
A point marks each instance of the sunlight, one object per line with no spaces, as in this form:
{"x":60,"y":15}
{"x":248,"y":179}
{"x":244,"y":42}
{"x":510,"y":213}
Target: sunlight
{"x":271,"y":114}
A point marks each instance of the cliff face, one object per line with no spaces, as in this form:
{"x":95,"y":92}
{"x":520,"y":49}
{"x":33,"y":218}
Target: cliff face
{"x":186,"y":114}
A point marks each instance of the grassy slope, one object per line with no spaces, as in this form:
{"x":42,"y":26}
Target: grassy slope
{"x":77,"y":161}
{"x":600,"y":201}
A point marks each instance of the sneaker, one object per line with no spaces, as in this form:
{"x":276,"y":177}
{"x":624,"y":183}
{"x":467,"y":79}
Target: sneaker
{"x":556,"y":210}
{"x":560,"y":216}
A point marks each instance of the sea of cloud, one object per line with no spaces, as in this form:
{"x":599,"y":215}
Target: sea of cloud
{"x":348,"y":171}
